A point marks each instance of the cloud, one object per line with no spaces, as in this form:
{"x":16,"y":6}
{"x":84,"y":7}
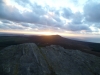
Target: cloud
{"x":25,"y":24}
{"x":4,"y":26}
{"x":5,"y":21}
{"x":76,"y":23}
{"x":67,"y":13}
{"x":11,"y":25}
{"x":77,"y":27}
{"x":96,"y":25}
{"x":1,"y":1}
{"x":77,"y":18}
{"x":74,"y":1}
{"x":36,"y":16}
{"x":92,"y":11}
{"x":42,"y":17}
{"x":22,"y":2}
{"x":9,"y":13}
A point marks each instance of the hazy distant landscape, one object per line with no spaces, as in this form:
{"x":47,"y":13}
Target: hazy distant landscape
{"x":93,"y":39}
{"x":49,"y":40}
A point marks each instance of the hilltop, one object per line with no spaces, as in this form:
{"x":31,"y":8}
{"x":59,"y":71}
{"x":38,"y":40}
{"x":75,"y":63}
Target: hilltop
{"x":30,"y":59}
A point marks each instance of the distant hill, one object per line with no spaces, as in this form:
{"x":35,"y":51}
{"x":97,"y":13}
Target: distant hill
{"x":41,"y":41}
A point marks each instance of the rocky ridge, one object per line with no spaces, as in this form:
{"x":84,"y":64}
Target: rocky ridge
{"x":29,"y":59}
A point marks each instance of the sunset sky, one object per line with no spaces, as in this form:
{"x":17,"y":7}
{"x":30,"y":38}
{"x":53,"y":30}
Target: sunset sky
{"x":63,"y":17}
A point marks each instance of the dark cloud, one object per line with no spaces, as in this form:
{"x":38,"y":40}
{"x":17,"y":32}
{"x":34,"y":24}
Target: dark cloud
{"x":17,"y":27}
{"x":38,"y":9}
{"x":1,"y":1}
{"x":9,"y":13}
{"x":77,"y":18}
{"x":77,"y":27}
{"x":41,"y":18}
{"x":76,"y":23}
{"x":5,"y":21}
{"x":57,"y":19}
{"x":57,"y":12}
{"x":13,"y":14}
{"x":67,"y":13}
{"x":92,"y":11}
{"x":4,"y":26}
{"x":11,"y":26}
{"x":36,"y":16}
{"x":25,"y":24}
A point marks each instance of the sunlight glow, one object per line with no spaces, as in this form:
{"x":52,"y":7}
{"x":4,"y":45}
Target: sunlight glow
{"x":46,"y":33}
{"x":38,"y":33}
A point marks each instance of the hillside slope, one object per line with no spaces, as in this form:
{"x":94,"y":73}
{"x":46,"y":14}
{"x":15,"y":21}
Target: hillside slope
{"x":30,"y":59}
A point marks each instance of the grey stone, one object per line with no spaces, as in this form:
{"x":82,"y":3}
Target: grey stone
{"x":29,"y":59}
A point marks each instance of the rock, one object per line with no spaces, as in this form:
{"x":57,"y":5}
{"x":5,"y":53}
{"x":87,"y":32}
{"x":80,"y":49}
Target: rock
{"x":29,"y":59}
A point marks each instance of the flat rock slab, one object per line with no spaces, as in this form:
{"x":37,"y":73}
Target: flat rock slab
{"x":29,"y":59}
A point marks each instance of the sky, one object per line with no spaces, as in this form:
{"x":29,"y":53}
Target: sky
{"x":62,"y":17}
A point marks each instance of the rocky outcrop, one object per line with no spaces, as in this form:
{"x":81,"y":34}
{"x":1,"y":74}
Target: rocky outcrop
{"x":29,"y":59}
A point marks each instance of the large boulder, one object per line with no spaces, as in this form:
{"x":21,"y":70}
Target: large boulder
{"x":29,"y":59}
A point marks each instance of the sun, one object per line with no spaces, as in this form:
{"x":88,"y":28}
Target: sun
{"x":46,"y":33}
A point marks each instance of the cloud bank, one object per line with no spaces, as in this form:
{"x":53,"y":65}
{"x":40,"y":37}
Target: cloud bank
{"x":72,"y":16}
